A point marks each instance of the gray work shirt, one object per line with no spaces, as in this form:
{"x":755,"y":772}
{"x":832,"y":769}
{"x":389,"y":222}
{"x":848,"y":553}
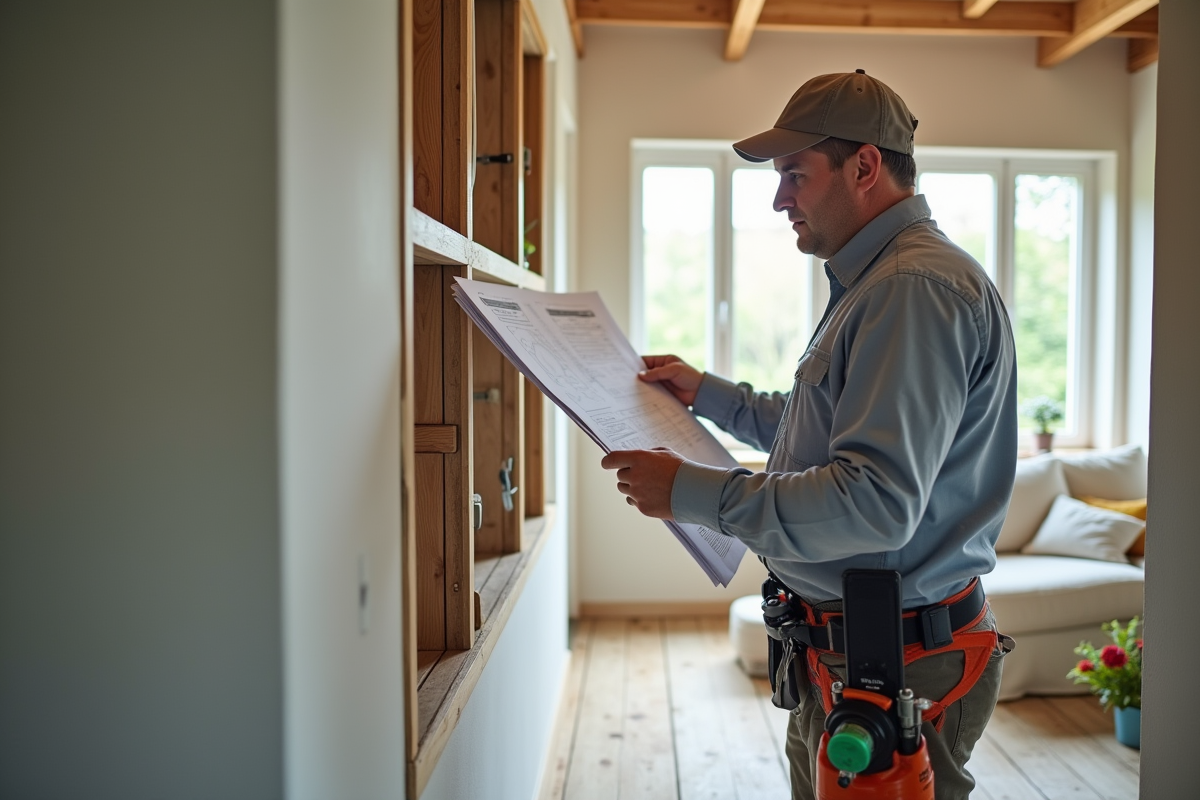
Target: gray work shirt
{"x":896,"y":448}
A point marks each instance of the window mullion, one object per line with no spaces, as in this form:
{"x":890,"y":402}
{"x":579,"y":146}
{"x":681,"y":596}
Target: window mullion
{"x":1006,"y":264}
{"x":722,"y":283}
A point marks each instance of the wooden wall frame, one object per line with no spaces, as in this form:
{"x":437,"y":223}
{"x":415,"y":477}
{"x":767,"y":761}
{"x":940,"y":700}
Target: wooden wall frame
{"x":471,"y":77}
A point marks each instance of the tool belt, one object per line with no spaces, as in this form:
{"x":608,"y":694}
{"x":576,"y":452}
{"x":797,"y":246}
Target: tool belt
{"x":799,"y":634}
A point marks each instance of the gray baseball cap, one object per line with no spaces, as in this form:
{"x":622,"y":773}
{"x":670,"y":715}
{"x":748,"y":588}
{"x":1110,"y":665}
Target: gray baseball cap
{"x":845,"y":105}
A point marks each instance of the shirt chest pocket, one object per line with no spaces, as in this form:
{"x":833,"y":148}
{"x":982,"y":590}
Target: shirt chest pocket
{"x":809,"y":418}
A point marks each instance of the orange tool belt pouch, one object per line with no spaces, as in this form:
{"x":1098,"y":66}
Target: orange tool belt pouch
{"x":802,"y":634}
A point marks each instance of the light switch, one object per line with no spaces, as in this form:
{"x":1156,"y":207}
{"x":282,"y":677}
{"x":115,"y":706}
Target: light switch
{"x":364,"y":596}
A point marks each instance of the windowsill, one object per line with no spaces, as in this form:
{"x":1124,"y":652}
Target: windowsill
{"x":445,"y":679}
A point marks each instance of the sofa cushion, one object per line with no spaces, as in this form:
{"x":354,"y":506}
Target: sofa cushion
{"x":1038,"y":481}
{"x":1117,"y":474}
{"x":1134,"y":508}
{"x":1041,"y":593}
{"x":1074,"y":528}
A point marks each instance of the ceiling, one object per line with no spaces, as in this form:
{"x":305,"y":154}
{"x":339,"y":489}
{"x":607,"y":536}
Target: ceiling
{"x":1062,"y":27}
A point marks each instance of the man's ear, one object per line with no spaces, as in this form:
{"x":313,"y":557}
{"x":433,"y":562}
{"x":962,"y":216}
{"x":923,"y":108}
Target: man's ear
{"x":868,"y":166}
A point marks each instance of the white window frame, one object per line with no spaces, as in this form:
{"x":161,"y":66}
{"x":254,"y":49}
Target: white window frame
{"x":718,"y":156}
{"x":1099,"y":322}
{"x":1089,"y":384}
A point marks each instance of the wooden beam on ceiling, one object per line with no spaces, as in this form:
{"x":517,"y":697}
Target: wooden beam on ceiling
{"x":1007,"y":17}
{"x":1142,"y":53}
{"x":974,"y":9}
{"x":1093,"y":20}
{"x":576,"y":26}
{"x":745,"y":17}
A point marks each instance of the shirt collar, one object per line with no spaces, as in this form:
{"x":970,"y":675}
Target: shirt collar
{"x":849,"y":262}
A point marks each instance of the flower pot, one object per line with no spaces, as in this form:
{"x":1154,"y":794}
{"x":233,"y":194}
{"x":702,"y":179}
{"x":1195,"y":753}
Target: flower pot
{"x":1129,"y":726}
{"x":1042,"y":442}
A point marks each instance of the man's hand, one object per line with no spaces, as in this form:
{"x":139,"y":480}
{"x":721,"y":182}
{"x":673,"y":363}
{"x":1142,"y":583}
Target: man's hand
{"x":646,"y":478}
{"x":678,"y":377}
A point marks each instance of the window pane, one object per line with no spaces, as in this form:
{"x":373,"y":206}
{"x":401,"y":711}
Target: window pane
{"x":1046,"y":257}
{"x":964,"y":206}
{"x":771,"y":319}
{"x":677,"y":252}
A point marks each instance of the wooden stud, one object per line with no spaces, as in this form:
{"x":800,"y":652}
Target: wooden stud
{"x":513,"y":208}
{"x":1142,"y":53}
{"x":405,"y":36}
{"x":427,"y":106}
{"x":430,"y":551}
{"x":974,"y":9}
{"x":435,"y":439}
{"x":456,"y":121}
{"x":427,"y":345}
{"x":460,"y":532}
{"x":512,"y":401}
{"x":534,"y":488}
{"x":745,"y":17}
{"x":489,"y":421}
{"x":487,"y":196}
{"x":534,"y":225}
{"x":1093,"y":20}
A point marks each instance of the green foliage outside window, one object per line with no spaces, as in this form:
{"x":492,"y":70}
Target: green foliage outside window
{"x":676,"y":285}
{"x":1045,"y":254}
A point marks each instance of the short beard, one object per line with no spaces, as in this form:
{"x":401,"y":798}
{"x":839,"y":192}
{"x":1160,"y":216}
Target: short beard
{"x":837,"y":213}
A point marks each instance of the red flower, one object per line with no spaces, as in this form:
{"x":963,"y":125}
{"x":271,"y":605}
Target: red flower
{"x":1139,"y":644}
{"x":1085,"y":666}
{"x":1113,"y":657}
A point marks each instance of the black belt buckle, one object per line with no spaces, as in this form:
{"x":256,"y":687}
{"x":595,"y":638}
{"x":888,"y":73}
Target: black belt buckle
{"x":935,"y":627}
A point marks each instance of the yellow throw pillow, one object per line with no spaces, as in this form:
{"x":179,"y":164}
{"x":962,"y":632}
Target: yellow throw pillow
{"x":1134,"y":508}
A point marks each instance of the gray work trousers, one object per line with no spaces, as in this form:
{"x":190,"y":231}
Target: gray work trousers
{"x":933,"y":677}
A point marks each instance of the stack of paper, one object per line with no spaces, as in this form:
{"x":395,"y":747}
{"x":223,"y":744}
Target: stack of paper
{"x":569,"y":346}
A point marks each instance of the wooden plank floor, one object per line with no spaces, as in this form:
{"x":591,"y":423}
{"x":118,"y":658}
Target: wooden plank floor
{"x":657,"y":709}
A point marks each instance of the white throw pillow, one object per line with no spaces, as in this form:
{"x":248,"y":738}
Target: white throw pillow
{"x":1117,"y":474}
{"x":1073,"y":528}
{"x":1039,"y":480}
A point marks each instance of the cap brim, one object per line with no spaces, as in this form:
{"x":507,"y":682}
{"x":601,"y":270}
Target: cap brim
{"x":776,"y":143}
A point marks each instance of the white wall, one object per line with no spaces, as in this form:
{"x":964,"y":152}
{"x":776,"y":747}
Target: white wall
{"x":1143,"y":116}
{"x":644,"y":82}
{"x":140,"y":632}
{"x":498,"y":749}
{"x":1170,"y":705}
{"x":339,"y":341}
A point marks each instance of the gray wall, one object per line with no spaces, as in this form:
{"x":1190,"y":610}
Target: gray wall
{"x":140,"y":643}
{"x":1171,"y":704}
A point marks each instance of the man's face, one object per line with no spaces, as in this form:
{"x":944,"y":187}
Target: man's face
{"x":817,"y":200}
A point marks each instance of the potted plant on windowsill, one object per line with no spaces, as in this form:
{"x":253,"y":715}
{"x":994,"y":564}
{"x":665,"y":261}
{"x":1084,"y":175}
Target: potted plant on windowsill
{"x":1114,"y":674}
{"x":1045,"y":412}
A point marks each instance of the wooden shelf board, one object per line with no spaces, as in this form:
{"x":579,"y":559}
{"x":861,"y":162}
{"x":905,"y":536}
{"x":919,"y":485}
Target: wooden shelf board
{"x":436,"y":244}
{"x":426,"y":660}
{"x":450,"y":680}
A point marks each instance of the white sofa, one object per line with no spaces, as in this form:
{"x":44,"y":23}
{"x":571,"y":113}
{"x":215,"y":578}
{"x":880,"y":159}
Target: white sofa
{"x":1049,"y":603}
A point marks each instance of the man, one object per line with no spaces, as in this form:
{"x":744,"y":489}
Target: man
{"x":896,"y":447}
